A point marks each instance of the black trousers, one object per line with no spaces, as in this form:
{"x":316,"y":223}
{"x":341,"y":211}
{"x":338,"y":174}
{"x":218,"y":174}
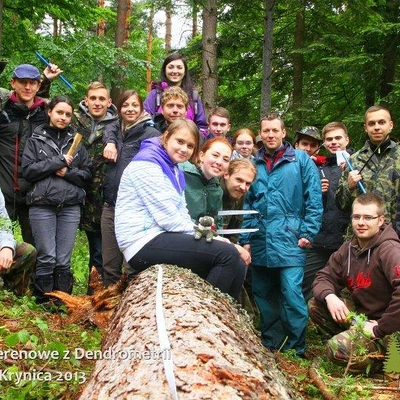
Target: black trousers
{"x":217,"y":262}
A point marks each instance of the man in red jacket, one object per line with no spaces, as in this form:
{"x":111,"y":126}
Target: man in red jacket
{"x":369,"y":267}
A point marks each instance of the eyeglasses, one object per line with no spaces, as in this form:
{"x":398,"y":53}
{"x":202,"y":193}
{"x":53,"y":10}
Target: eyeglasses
{"x":368,"y":218}
{"x":248,"y":143}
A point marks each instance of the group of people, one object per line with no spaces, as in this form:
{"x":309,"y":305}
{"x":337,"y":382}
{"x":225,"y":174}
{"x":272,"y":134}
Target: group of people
{"x":147,"y":171}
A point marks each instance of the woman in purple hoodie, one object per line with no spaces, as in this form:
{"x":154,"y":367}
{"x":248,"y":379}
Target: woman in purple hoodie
{"x":174,"y":72}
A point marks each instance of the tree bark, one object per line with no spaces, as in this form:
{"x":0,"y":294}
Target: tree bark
{"x":216,"y":353}
{"x":209,"y":45}
{"x":390,"y":50}
{"x":149,"y":48}
{"x":194,"y":19}
{"x":168,"y":26}
{"x":55,"y":27}
{"x":101,"y":25}
{"x":267,"y":58}
{"x":121,"y":37}
{"x":298,"y":67}
{"x":1,"y":29}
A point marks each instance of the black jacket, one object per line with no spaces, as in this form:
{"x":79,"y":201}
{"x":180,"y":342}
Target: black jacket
{"x":128,"y":145}
{"x":43,"y":156}
{"x":17,"y":123}
{"x":334,"y":220}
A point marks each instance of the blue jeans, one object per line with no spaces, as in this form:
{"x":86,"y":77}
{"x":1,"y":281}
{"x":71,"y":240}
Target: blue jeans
{"x":278,"y":295}
{"x":54,"y":230}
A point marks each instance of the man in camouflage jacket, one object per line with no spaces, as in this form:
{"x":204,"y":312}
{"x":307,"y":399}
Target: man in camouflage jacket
{"x":380,"y":170}
{"x":94,"y":113}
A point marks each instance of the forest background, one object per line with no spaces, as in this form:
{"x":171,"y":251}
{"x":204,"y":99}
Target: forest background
{"x":313,"y":61}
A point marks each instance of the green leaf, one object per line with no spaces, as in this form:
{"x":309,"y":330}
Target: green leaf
{"x":12,"y":339}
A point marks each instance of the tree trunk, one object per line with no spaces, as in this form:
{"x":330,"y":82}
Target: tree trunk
{"x":1,"y":28}
{"x":101,"y":25}
{"x":209,"y":46}
{"x":121,"y":37}
{"x":267,"y":58}
{"x":55,"y":27}
{"x":194,"y":19}
{"x":298,"y":67}
{"x":215,"y":351}
{"x":168,"y":26}
{"x":390,"y":50}
{"x":149,"y":48}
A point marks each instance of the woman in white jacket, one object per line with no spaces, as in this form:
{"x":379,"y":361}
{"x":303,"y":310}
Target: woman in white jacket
{"x":152,"y":222}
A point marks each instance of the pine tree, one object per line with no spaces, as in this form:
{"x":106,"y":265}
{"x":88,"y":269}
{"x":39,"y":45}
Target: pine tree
{"x":392,"y":359}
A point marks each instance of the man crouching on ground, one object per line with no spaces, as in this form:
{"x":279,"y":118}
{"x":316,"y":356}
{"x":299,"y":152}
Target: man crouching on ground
{"x":369,"y":266}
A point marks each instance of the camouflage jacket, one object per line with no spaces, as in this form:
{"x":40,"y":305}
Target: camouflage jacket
{"x":381,"y":175}
{"x":92,"y":131}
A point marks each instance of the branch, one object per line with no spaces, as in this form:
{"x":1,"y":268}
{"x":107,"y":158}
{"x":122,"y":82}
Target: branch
{"x":391,"y":389}
{"x":319,"y":383}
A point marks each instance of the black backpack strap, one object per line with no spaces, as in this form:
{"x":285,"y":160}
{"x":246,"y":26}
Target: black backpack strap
{"x":195,"y":100}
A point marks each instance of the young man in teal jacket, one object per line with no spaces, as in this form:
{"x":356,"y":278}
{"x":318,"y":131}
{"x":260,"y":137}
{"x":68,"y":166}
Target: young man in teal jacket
{"x":287,"y":195}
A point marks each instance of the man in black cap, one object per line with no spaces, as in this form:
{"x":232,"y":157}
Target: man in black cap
{"x":21,"y":111}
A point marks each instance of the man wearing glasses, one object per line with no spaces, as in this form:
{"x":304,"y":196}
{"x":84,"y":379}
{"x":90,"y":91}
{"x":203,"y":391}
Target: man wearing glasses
{"x":369,"y":267}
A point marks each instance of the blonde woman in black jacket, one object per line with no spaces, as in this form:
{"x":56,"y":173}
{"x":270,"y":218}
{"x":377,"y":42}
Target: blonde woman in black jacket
{"x":56,"y":196}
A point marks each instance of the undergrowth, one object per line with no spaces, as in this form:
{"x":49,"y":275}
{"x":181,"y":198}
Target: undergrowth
{"x":42,"y":357}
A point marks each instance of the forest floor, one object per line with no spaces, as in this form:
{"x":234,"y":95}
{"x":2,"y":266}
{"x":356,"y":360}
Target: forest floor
{"x":45,"y":356}
{"x":317,"y":378}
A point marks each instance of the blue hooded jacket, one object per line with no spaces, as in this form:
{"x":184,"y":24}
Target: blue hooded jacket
{"x":289,"y":201}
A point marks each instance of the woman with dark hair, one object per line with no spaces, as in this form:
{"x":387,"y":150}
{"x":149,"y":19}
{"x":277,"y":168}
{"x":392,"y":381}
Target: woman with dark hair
{"x":58,"y":179}
{"x":152,"y":223}
{"x":174,"y":72}
{"x":135,"y":125}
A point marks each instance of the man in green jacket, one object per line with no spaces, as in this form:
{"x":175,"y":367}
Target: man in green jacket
{"x":94,"y":113}
{"x":376,"y":165}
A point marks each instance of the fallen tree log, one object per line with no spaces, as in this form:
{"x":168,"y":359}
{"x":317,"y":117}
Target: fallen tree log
{"x":216,"y":352}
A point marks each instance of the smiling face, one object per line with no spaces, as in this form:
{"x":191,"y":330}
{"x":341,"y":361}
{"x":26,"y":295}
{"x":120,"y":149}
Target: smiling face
{"x":363,"y":229}
{"x":244,"y":145}
{"x":173,"y":109}
{"x":378,"y":125}
{"x":180,"y":145}
{"x":60,"y":115}
{"x":97,"y":102}
{"x":25,"y":90}
{"x":175,"y":71}
{"x":238,"y":183}
{"x":272,"y":134}
{"x":336,"y":140}
{"x":130,"y":110}
{"x":214,"y":161}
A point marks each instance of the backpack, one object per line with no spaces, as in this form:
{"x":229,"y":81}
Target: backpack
{"x":194,"y":99}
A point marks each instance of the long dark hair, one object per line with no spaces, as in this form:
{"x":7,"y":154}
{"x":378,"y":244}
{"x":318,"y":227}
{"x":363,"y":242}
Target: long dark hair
{"x":60,"y":99}
{"x":186,"y":84}
{"x":125,"y":96}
